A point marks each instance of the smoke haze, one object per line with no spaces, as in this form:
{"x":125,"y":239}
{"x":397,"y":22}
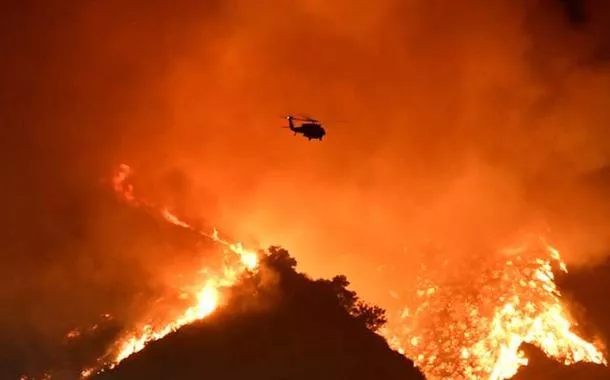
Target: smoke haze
{"x":455,"y":124}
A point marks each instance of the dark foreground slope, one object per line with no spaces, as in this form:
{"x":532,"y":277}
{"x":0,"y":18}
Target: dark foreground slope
{"x":543,"y":368}
{"x":279,"y":325}
{"x":73,"y":263}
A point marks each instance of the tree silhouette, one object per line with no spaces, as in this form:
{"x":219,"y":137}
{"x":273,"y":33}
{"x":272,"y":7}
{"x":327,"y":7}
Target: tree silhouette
{"x":335,"y":289}
{"x":280,"y":259}
{"x":372,"y":316}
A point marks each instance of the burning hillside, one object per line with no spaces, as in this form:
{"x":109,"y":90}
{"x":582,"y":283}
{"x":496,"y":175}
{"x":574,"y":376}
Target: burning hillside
{"x":205,"y":296}
{"x":467,"y":320}
{"x":180,"y":294}
{"x":215,"y":285}
{"x":472,"y":322}
{"x":303,"y":331}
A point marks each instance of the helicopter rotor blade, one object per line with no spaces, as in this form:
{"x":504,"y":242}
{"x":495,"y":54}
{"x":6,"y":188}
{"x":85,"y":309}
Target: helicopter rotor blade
{"x":301,"y":118}
{"x":305,"y":119}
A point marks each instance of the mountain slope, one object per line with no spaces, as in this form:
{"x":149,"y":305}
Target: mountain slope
{"x":278,"y":325}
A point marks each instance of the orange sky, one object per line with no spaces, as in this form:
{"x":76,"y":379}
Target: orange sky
{"x":447,"y":124}
{"x":444,"y":124}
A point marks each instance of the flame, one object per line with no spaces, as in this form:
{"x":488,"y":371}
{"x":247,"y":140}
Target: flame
{"x":207,"y":297}
{"x":207,"y":302}
{"x":474,"y":329}
{"x":126,"y":191}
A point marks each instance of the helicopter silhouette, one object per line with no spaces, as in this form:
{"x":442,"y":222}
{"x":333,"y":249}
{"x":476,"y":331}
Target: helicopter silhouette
{"x":310,"y":128}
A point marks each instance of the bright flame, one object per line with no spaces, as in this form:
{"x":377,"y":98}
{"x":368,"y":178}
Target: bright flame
{"x":207,"y":298}
{"x":474,"y":329}
{"x":207,"y":301}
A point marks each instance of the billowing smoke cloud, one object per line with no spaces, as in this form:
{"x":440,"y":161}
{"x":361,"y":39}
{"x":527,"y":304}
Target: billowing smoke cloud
{"x":453,"y":124}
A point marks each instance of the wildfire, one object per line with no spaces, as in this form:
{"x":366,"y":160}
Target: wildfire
{"x":207,"y":297}
{"x":468,"y":326}
{"x":473,"y":329}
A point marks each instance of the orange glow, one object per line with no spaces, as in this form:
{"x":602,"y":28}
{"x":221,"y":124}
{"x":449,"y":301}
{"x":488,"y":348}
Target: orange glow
{"x":447,"y":124}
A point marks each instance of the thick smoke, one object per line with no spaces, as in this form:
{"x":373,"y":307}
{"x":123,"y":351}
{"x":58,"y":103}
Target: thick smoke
{"x":454,"y":124}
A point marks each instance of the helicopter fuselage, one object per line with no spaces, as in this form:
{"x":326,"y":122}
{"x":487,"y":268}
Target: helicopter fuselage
{"x":308,"y":129}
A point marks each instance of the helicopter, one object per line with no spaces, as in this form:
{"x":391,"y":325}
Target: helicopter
{"x":310,"y":128}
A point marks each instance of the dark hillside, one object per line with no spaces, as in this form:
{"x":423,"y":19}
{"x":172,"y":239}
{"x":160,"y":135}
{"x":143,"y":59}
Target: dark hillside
{"x":305,"y":332}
